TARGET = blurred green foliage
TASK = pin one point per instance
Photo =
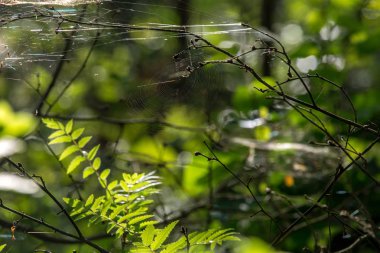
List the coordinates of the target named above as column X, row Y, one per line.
column 127, row 99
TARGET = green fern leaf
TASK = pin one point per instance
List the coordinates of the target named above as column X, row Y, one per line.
column 119, row 232
column 69, row 126
column 93, row 220
column 52, row 124
column 199, row 237
column 113, row 185
column 147, row 223
column 105, row 173
column 97, row 204
column 110, row 227
column 77, row 133
column 88, row 171
column 175, row 246
column 56, row 134
column 82, row 142
column 229, row 238
column 140, row 218
column 93, row 151
column 103, row 177
column 163, row 235
column 217, row 234
column 71, row 202
column 2, row 247
column 75, row 163
column 131, row 215
column 147, row 235
column 105, row 208
column 89, row 200
column 140, row 249
column 96, row 163
column 117, row 211
column 102, row 182
column 77, row 211
column 61, row 139
column 68, row 151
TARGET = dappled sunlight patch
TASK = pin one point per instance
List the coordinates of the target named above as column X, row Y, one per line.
column 15, row 183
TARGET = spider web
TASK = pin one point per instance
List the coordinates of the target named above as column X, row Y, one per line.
column 41, row 35
column 35, row 35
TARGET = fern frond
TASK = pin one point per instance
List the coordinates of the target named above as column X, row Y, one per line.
column 147, row 235
column 162, row 235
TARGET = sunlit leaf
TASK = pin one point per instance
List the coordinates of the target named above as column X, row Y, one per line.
column 117, row 211
column 110, row 227
column 147, row 235
column 163, row 235
column 51, row 123
column 82, row 142
column 175, row 246
column 61, row 139
column 75, row 163
column 89, row 200
column 77, row 133
column 106, row 207
column 97, row 204
column 2, row 247
column 68, row 151
column 56, row 134
column 69, row 126
column 105, row 173
column 147, row 223
column 140, row 218
column 96, row 163
column 88, row 171
column 93, row 151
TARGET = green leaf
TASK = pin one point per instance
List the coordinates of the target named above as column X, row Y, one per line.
column 117, row 211
column 121, row 231
column 103, row 183
column 90, row 200
column 197, row 237
column 130, row 215
column 88, row 171
column 2, row 247
column 71, row 202
column 215, row 236
column 147, row 235
column 147, row 223
column 140, row 218
column 112, row 185
column 105, row 173
column 93, row 151
column 110, row 227
column 69, row 126
column 230, row 238
column 97, row 204
column 141, row 249
column 96, row 163
column 163, row 235
column 68, row 151
column 106, row 207
column 175, row 246
column 75, row 163
column 61, row 139
column 56, row 134
column 51, row 123
column 77, row 133
column 82, row 142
